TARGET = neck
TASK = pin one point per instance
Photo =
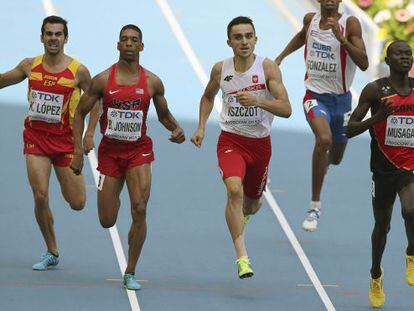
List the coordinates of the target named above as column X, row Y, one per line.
column 53, row 59
column 127, row 65
column 243, row 64
column 329, row 13
column 399, row 79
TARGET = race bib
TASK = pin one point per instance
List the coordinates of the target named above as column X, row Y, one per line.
column 124, row 124
column 400, row 131
column 45, row 106
column 309, row 104
column 236, row 113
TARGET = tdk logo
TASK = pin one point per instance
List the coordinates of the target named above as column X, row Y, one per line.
column 129, row 114
column 228, row 78
column 45, row 97
column 402, row 120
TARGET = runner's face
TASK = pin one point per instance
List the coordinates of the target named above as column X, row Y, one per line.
column 242, row 40
column 130, row 45
column 330, row 4
column 400, row 58
column 53, row 38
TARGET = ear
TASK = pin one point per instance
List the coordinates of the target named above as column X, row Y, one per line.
column 228, row 42
column 142, row 47
column 387, row 61
column 66, row 39
column 41, row 38
column 117, row 45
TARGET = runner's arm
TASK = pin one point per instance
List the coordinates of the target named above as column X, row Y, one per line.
column 164, row 115
column 297, row 41
column 207, row 103
column 354, row 44
column 367, row 100
column 17, row 74
column 87, row 101
column 84, row 78
column 279, row 105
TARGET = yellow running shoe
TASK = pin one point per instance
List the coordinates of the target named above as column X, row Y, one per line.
column 409, row 272
column 244, row 268
column 246, row 219
column 376, row 292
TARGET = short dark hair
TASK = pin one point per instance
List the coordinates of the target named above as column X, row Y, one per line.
column 391, row 45
column 237, row 21
column 53, row 19
column 133, row 27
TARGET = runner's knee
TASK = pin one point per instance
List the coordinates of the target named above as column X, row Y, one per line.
column 138, row 210
column 78, row 204
column 41, row 198
column 323, row 142
column 107, row 221
column 234, row 191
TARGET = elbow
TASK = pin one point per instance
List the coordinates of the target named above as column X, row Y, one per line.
column 364, row 64
column 287, row 112
column 349, row 133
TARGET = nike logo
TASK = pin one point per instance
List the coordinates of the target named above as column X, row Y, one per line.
column 228, row 151
column 113, row 92
column 146, row 154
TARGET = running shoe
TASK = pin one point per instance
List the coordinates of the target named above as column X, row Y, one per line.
column 409, row 272
column 311, row 221
column 244, row 268
column 376, row 292
column 130, row 282
column 47, row 260
column 246, row 219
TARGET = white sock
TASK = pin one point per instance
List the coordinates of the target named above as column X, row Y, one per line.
column 316, row 205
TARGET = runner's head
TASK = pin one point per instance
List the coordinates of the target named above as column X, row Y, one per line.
column 130, row 42
column 399, row 56
column 54, row 34
column 330, row 5
column 241, row 36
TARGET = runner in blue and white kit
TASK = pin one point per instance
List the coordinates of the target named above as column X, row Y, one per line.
column 333, row 49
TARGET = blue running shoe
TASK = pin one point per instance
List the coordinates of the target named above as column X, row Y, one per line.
column 130, row 282
column 47, row 260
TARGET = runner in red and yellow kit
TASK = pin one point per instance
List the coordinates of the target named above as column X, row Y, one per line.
column 391, row 125
column 125, row 152
column 55, row 83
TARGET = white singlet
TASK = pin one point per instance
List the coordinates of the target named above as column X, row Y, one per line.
column 249, row 121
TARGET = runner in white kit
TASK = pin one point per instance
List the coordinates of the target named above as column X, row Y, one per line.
column 333, row 49
column 253, row 92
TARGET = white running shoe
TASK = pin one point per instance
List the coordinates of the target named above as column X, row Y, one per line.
column 311, row 221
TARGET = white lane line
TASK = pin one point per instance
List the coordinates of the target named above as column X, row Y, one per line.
column 297, row 25
column 186, row 46
column 189, row 52
column 93, row 161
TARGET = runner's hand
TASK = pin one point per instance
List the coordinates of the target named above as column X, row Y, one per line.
column 385, row 108
column 246, row 99
column 177, row 136
column 198, row 137
column 77, row 164
column 334, row 25
column 88, row 144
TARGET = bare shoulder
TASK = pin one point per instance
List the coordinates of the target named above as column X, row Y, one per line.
column 308, row 18
column 82, row 70
column 26, row 64
column 216, row 71
column 99, row 81
column 353, row 23
column 271, row 69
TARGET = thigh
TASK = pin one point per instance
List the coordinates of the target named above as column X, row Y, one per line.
column 109, row 189
column 341, row 115
column 406, row 191
column 38, row 172
column 138, row 180
column 231, row 163
column 72, row 186
column 383, row 198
